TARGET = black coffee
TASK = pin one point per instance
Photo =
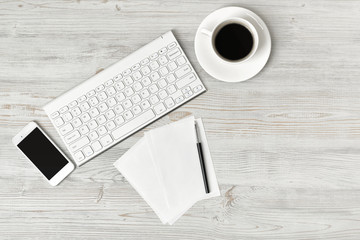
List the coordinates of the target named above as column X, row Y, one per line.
column 234, row 42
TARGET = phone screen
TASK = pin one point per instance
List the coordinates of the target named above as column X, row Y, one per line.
column 37, row 147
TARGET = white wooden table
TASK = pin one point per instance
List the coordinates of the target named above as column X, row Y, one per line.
column 285, row 145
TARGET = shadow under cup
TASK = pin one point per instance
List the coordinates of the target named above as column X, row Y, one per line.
column 233, row 42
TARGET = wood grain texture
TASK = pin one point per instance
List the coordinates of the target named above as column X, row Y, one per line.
column 285, row 144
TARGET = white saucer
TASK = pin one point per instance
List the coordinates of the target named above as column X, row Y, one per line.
column 232, row 72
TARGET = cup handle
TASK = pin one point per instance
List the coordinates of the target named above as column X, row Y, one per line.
column 206, row 32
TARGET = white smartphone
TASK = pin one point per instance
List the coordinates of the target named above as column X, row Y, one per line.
column 43, row 153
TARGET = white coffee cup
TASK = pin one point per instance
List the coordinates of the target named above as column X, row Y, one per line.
column 212, row 33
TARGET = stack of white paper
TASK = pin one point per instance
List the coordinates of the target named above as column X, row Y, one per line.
column 165, row 170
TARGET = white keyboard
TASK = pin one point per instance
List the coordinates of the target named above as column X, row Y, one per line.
column 124, row 98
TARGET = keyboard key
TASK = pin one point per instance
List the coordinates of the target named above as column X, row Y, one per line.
column 79, row 144
column 119, row 86
column 108, row 83
column 179, row 99
column 160, row 108
column 173, row 53
column 136, row 99
column 164, row 71
column 72, row 137
column 162, row 83
column 126, row 72
column 153, row 56
column 76, row 111
column 133, row 124
column 146, row 81
column 145, row 61
column 129, row 91
column 120, row 97
column 154, row 99
column 85, row 117
column 111, row 91
column 93, row 135
column 103, row 107
column 172, row 66
column 185, row 81
column 197, row 88
column 94, row 112
column 169, row 102
column 79, row 156
column 163, row 50
column 93, row 101
column 82, row 98
column 186, row 89
column 183, row 71
column 84, row 129
column 145, row 104
column 92, row 124
column 145, row 70
column 110, row 114
column 145, row 93
column 73, row 104
column 119, row 109
column 188, row 94
column 136, row 110
column 101, row 119
column 135, row 67
column 171, row 45
column 90, row 94
column 163, row 60
column 153, row 88
column 137, row 86
column 106, row 140
column 110, row 125
column 127, row 103
column 59, row 121
column 102, row 96
column 170, row 78
column 100, row 88
column 101, row 130
column 88, row 151
column 67, row 116
column 154, row 76
column 128, row 80
column 163, row 94
column 63, row 109
column 171, row 89
column 128, row 115
column 118, row 77
column 96, row 146
column 154, row 65
column 66, row 129
column 119, row 120
column 84, row 106
column 77, row 122
column 111, row 102
column 181, row 61
column 137, row 75
column 55, row 114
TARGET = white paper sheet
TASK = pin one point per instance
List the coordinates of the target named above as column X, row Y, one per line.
column 174, row 154
column 164, row 169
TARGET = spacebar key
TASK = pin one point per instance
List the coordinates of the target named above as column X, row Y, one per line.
column 133, row 124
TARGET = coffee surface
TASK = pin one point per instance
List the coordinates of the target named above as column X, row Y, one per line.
column 234, row 42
